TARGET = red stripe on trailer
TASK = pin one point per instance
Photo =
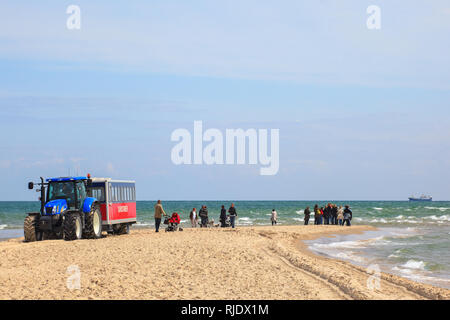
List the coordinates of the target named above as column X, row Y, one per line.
column 119, row 211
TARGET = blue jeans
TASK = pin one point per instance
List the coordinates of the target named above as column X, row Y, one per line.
column 341, row 222
column 334, row 220
column 347, row 221
column 232, row 219
column 157, row 224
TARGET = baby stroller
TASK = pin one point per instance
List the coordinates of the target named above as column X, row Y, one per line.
column 226, row 223
column 173, row 223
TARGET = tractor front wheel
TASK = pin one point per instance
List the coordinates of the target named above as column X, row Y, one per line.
column 30, row 229
column 93, row 226
column 72, row 227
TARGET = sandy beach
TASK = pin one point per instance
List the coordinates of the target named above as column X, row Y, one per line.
column 246, row 263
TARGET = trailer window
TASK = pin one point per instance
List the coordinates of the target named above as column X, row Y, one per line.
column 98, row 193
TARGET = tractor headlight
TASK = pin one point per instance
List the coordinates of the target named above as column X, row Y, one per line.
column 54, row 209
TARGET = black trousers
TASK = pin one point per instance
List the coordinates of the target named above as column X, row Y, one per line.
column 157, row 224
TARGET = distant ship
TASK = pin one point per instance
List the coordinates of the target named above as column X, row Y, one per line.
column 421, row 198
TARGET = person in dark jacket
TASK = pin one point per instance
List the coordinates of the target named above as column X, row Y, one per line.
column 327, row 214
column 223, row 216
column 233, row 214
column 348, row 215
column 334, row 213
column 203, row 214
column 307, row 215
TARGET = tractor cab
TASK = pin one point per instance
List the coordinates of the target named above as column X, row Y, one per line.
column 65, row 193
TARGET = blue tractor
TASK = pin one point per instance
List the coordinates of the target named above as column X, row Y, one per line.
column 67, row 212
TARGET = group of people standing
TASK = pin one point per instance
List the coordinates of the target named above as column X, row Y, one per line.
column 203, row 214
column 330, row 215
column 204, row 218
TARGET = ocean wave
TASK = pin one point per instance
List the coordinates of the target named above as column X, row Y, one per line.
column 414, row 264
column 245, row 220
column 340, row 245
column 349, row 255
column 437, row 208
column 378, row 209
column 439, row 218
column 381, row 220
column 3, row 226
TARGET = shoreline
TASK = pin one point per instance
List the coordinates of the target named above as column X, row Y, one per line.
column 250, row 262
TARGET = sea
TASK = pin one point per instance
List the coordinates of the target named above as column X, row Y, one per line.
column 412, row 238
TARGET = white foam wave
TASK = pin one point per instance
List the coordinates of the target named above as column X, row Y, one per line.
column 3, row 226
column 445, row 217
column 340, row 245
column 378, row 209
column 437, row 208
column 413, row 264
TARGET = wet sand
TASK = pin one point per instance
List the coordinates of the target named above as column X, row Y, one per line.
column 256, row 263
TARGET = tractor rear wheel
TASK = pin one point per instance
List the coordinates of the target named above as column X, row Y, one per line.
column 93, row 226
column 72, row 227
column 30, row 229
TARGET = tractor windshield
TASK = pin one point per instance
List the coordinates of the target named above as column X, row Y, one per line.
column 62, row 190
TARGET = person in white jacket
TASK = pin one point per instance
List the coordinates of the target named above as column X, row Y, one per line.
column 340, row 216
column 274, row 217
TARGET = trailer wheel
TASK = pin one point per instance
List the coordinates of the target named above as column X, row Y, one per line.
column 72, row 227
column 30, row 230
column 123, row 228
column 93, row 226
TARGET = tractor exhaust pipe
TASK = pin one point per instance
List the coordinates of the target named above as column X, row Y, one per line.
column 42, row 196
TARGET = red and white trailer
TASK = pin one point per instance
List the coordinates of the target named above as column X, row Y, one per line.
column 117, row 200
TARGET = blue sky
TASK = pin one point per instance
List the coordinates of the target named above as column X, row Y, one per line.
column 363, row 114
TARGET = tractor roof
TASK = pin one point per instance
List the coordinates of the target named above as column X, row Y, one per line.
column 66, row 179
